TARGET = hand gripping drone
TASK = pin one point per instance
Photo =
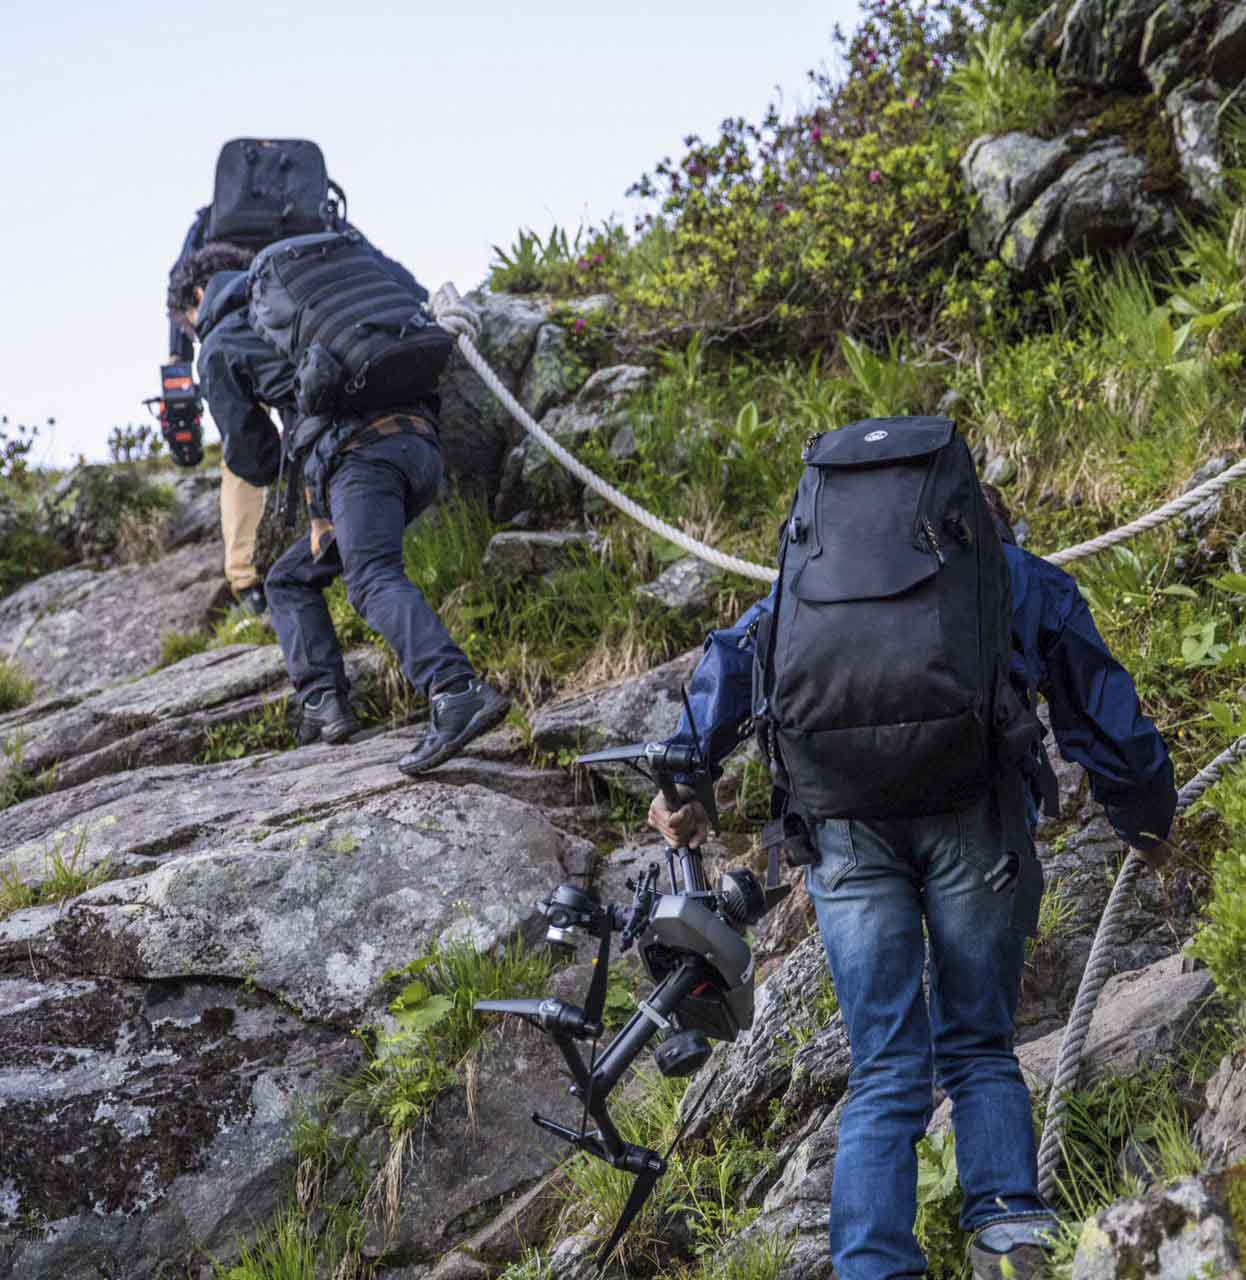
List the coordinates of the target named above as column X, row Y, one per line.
column 692, row 946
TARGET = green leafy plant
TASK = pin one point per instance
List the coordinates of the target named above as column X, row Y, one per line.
column 937, row 1227
column 1221, row 941
column 997, row 89
column 18, row 782
column 241, row 626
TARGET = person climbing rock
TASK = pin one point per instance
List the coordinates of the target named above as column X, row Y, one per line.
column 903, row 607
column 358, row 388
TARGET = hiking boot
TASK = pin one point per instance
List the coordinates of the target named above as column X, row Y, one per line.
column 327, row 716
column 1015, row 1249
column 253, row 600
column 457, row 718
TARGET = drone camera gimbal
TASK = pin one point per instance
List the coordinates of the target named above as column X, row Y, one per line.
column 691, row 942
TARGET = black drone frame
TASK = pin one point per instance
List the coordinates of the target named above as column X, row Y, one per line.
column 689, row 992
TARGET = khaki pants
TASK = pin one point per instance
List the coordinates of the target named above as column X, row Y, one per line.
column 242, row 505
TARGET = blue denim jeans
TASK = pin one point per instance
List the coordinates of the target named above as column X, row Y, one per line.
column 375, row 492
column 873, row 887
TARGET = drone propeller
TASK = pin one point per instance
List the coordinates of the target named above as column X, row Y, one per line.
column 642, row 1188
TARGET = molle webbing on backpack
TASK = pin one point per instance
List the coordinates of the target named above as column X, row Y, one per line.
column 360, row 338
column 885, row 668
column 269, row 189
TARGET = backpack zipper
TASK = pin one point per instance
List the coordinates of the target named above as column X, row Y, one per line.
column 933, row 539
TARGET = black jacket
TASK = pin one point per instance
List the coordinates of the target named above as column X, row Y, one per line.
column 241, row 374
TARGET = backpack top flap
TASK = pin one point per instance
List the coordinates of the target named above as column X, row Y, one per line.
column 267, row 189
column 869, row 509
column 879, row 441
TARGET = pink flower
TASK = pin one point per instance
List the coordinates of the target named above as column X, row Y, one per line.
column 780, row 207
column 816, row 135
column 597, row 259
column 875, row 176
column 582, row 264
column 580, row 324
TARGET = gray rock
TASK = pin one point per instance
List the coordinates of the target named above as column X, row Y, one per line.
column 623, row 446
column 554, row 372
column 531, row 477
column 636, row 709
column 79, row 629
column 482, row 1160
column 1100, row 202
column 1220, row 1135
column 1143, row 1018
column 1171, row 1233
column 476, row 431
column 319, row 911
column 196, row 514
column 1006, row 174
column 527, row 554
column 1193, row 112
column 1101, row 42
column 1042, row 35
column 152, row 1122
column 687, row 586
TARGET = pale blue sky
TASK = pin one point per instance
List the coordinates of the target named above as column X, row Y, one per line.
column 449, row 125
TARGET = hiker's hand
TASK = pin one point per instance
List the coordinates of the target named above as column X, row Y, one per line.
column 687, row 825
column 1153, row 850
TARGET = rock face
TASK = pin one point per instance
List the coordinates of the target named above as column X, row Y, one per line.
column 687, row 586
column 152, row 1121
column 1220, row 1134
column 525, row 554
column 1193, row 1228
column 78, row 629
column 1041, row 203
column 1101, row 41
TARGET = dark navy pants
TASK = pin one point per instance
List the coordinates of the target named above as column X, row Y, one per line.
column 376, row 491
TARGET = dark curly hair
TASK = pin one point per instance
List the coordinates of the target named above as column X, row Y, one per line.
column 195, row 271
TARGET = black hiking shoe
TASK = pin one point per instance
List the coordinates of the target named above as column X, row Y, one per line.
column 327, row 717
column 253, row 600
column 1014, row 1249
column 456, row 719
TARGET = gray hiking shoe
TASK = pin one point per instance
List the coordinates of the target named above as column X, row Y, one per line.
column 1014, row 1249
column 455, row 719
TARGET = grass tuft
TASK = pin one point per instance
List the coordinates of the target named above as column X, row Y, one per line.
column 17, row 689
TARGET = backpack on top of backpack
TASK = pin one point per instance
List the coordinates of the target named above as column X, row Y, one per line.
column 881, row 680
column 269, row 189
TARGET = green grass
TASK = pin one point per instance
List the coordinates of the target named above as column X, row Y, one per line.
column 294, row 1249
column 241, row 626
column 176, row 645
column 19, row 782
column 17, row 689
column 64, row 876
column 268, row 730
column 701, row 1187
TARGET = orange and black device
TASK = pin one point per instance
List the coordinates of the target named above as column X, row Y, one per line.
column 180, row 410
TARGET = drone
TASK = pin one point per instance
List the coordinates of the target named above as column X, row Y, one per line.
column 691, row 942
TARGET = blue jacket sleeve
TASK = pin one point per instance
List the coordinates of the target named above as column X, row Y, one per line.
column 1096, row 716
column 182, row 344
column 721, row 689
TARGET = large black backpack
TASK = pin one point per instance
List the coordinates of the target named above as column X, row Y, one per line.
column 359, row 337
column 269, row 189
column 881, row 687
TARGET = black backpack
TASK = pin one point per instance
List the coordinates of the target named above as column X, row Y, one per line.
column 881, row 681
column 359, row 338
column 271, row 189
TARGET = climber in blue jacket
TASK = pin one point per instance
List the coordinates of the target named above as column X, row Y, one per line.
column 888, row 892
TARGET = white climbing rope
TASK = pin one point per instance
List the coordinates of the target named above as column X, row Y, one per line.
column 1098, row 970
column 1169, row 511
column 457, row 317
column 463, row 321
